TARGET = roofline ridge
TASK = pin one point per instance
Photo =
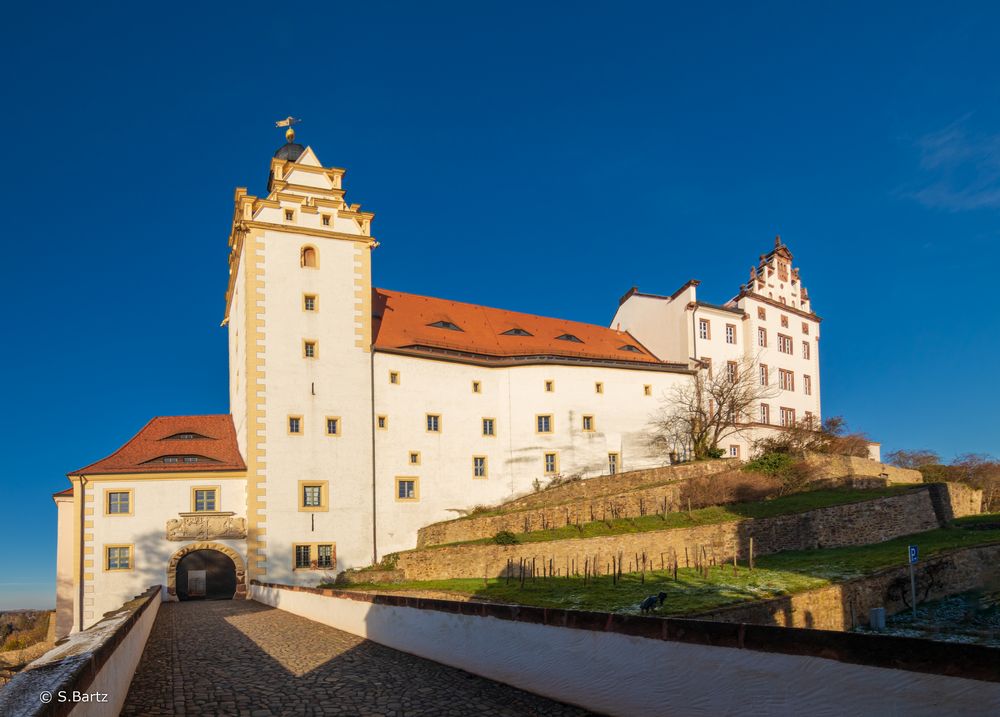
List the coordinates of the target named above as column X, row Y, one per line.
column 81, row 471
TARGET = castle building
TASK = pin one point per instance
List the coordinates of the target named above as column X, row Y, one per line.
column 359, row 414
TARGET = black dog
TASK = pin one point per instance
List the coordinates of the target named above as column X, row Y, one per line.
column 650, row 603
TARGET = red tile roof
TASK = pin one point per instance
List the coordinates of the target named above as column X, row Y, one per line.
column 214, row 438
column 402, row 321
column 68, row 491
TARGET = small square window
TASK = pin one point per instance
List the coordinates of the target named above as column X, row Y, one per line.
column 332, row 426
column 598, row 387
column 118, row 557
column 309, row 302
column 433, row 423
column 120, row 502
column 414, row 458
column 734, row 451
column 479, row 467
column 309, row 349
column 551, row 463
column 312, row 496
column 289, row 215
column 489, row 427
column 543, row 424
column 406, row 489
column 295, row 425
column 588, row 423
column 204, row 500
column 550, row 386
column 477, row 387
column 394, row 377
column 382, row 422
column 647, row 390
column 326, row 220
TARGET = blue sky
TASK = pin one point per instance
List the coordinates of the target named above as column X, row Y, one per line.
column 537, row 157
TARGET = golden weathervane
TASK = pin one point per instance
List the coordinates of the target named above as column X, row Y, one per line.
column 288, row 122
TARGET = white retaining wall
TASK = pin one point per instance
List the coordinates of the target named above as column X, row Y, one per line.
column 621, row 674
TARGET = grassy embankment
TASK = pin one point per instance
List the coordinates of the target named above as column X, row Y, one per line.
column 773, row 575
column 785, row 505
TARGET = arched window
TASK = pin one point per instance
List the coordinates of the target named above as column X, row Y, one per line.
column 308, row 257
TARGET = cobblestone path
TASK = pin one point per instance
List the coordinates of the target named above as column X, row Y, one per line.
column 238, row 657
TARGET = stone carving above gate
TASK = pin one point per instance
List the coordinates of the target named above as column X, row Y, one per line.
column 196, row 526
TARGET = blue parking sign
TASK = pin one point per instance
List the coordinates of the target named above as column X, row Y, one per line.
column 913, row 554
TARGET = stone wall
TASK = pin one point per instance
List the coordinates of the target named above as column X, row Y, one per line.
column 623, row 495
column 828, row 466
column 97, row 661
column 872, row 521
column 847, row 605
column 611, row 484
column 630, row 504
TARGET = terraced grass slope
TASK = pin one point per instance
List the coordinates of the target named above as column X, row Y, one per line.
column 693, row 592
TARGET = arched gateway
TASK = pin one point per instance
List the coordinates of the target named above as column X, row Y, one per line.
column 206, row 570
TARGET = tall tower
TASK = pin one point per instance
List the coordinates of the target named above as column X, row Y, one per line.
column 298, row 309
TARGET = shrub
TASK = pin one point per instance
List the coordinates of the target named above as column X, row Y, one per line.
column 793, row 475
column 772, row 464
column 505, row 537
column 729, row 487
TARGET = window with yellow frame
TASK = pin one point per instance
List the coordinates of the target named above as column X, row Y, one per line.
column 205, row 499
column 119, row 502
column 118, row 557
column 314, row 496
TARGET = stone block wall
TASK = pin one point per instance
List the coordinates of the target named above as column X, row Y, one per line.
column 847, row 605
column 834, row 467
column 861, row 523
column 611, row 484
column 623, row 495
column 631, row 504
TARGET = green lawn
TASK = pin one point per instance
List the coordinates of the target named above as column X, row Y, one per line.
column 796, row 503
column 774, row 575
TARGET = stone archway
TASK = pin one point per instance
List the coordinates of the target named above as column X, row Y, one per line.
column 241, row 570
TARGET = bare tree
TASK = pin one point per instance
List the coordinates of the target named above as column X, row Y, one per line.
column 914, row 458
column 697, row 417
column 808, row 436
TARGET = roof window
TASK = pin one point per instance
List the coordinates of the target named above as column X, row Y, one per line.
column 445, row 325
column 630, row 347
column 569, row 337
column 516, row 332
column 186, row 436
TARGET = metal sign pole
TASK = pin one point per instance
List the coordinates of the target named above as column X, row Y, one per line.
column 912, row 551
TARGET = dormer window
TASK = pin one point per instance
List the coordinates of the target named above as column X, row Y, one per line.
column 630, row 348
column 182, row 459
column 516, row 332
column 187, row 436
column 444, row 325
column 569, row 337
